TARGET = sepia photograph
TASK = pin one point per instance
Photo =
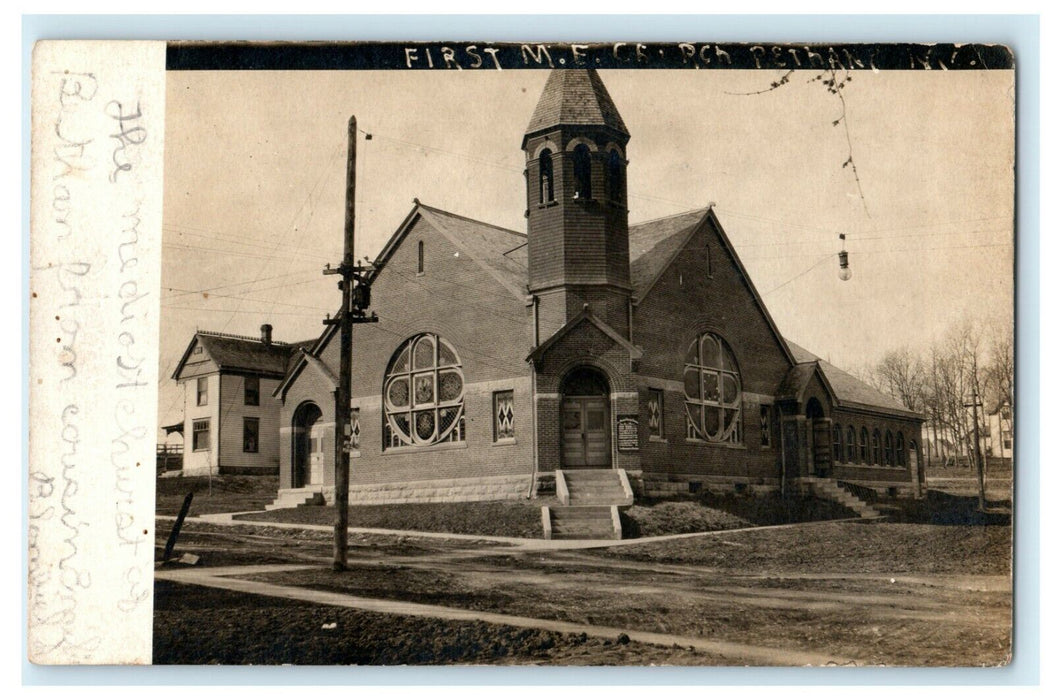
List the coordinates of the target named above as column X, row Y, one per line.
column 586, row 355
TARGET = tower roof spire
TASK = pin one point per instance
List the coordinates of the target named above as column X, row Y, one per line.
column 575, row 97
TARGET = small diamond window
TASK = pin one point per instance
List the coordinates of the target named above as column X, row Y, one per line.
column 504, row 416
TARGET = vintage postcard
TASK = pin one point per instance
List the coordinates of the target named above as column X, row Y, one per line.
column 691, row 354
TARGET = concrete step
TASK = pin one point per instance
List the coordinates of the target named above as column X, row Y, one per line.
column 582, row 522
column 295, row 498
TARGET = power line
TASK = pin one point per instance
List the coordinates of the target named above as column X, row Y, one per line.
column 238, row 284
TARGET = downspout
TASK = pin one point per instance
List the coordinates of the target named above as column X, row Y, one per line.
column 533, row 301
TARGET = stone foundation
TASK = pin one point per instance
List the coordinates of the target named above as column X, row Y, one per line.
column 674, row 486
column 496, row 488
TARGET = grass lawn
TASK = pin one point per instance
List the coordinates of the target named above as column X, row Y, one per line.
column 496, row 518
column 847, row 547
column 704, row 513
column 225, row 494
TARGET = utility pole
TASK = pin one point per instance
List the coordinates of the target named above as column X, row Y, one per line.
column 977, row 451
column 352, row 311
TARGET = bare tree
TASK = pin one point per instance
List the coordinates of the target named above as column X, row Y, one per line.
column 900, row 373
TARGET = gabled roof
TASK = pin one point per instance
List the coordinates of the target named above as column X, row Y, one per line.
column 654, row 244
column 848, row 391
column 575, row 97
column 240, row 353
column 499, row 251
column 583, row 316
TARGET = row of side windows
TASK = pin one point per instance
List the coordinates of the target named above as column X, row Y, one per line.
column 868, row 447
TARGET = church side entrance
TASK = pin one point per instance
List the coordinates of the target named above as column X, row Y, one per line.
column 585, row 413
column 307, row 446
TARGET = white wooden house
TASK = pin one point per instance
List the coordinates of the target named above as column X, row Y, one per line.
column 230, row 416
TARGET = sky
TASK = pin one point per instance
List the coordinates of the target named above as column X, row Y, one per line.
column 255, row 179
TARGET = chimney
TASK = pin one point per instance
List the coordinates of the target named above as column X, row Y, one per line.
column 265, row 333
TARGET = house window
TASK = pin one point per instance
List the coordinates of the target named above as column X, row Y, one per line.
column 865, row 453
column 203, row 391
column 250, row 435
column 252, row 391
column 876, row 447
column 504, row 416
column 1008, row 444
column 889, row 448
column 656, row 425
column 712, row 391
column 850, row 444
column 709, row 264
column 201, row 435
column 420, row 257
column 582, row 162
column 766, row 425
column 836, row 442
column 901, row 457
column 545, row 177
column 424, row 394
column 198, row 350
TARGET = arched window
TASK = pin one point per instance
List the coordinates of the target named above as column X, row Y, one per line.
column 850, row 444
column 712, row 391
column 583, row 171
column 902, row 460
column 424, row 394
column 876, row 447
column 836, row 442
column 889, row 448
column 616, row 177
column 865, row 454
column 545, row 177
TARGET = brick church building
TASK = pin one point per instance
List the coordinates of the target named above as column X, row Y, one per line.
column 504, row 363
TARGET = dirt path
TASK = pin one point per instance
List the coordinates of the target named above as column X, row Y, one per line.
column 748, row 653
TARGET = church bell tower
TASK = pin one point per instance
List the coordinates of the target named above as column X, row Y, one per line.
column 577, row 227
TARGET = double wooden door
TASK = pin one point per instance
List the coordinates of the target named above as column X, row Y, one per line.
column 586, row 432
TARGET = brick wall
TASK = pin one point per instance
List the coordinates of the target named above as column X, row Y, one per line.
column 488, row 326
column 684, row 302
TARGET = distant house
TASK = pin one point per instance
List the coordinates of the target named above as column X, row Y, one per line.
column 230, row 416
column 1000, row 438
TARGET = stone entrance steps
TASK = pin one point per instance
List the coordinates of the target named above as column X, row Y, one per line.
column 828, row 489
column 581, row 523
column 593, row 487
column 590, row 501
column 294, row 498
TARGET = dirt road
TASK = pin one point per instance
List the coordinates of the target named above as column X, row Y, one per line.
column 739, row 614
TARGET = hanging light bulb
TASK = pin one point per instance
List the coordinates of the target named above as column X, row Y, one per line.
column 844, row 273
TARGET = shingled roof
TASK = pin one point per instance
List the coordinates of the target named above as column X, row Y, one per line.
column 652, row 244
column 575, row 97
column 235, row 352
column 500, row 251
column 848, row 390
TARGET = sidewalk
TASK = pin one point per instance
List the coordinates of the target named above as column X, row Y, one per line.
column 520, row 543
